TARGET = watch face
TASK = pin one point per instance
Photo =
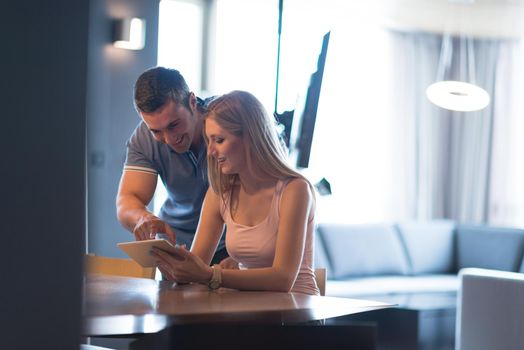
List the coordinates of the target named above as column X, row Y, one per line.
column 214, row 285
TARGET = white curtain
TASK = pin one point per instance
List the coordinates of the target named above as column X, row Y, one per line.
column 419, row 128
column 506, row 194
column 461, row 166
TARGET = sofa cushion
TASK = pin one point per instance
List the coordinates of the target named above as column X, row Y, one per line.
column 373, row 287
column 490, row 247
column 362, row 250
column 429, row 245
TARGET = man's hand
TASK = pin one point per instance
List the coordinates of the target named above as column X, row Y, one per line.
column 149, row 225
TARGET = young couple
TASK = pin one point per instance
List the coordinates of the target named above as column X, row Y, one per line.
column 223, row 165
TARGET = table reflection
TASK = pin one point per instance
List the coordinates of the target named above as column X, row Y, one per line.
column 123, row 305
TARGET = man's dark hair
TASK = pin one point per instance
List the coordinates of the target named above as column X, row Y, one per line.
column 158, row 85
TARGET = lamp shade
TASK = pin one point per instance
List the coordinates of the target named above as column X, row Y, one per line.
column 458, row 96
column 129, row 33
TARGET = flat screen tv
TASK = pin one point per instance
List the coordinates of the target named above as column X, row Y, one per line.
column 305, row 113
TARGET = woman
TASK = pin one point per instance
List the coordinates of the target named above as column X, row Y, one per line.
column 268, row 207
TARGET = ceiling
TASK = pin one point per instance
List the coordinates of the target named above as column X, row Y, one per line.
column 484, row 18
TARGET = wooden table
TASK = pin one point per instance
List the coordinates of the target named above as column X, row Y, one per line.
column 122, row 306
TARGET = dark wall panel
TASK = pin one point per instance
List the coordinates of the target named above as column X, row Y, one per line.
column 42, row 187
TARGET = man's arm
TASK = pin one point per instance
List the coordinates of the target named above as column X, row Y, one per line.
column 210, row 228
column 135, row 191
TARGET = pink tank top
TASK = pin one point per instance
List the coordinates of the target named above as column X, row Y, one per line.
column 254, row 246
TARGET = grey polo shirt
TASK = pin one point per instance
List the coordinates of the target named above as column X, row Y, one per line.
column 184, row 176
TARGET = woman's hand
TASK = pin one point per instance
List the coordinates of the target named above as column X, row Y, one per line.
column 182, row 266
column 229, row 263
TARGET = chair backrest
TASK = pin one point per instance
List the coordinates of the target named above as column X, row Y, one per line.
column 117, row 267
column 320, row 277
column 490, row 310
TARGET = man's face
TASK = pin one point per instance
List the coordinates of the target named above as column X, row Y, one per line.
column 174, row 124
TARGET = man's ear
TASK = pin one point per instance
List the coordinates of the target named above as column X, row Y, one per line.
column 192, row 102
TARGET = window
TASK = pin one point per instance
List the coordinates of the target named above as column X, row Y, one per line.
column 180, row 38
column 245, row 48
column 370, row 98
column 180, row 33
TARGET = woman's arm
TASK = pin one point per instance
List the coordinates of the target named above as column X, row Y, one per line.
column 295, row 210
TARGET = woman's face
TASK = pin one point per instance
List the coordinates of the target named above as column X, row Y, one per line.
column 227, row 148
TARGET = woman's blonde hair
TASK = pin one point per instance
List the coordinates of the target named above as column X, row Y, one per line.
column 243, row 115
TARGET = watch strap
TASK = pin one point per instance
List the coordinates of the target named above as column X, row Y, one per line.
column 216, row 278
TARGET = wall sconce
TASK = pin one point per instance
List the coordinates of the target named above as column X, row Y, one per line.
column 129, row 33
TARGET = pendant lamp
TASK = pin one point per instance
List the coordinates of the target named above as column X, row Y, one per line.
column 464, row 94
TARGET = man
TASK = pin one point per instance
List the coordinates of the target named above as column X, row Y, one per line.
column 168, row 142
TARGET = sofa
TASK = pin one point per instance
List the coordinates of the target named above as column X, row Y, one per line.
column 414, row 265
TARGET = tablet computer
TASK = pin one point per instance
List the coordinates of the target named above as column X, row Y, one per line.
column 139, row 251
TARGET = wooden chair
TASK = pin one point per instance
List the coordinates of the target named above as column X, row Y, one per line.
column 117, row 267
column 320, row 277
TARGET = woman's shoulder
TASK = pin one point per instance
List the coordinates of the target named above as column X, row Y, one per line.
column 297, row 185
column 297, row 193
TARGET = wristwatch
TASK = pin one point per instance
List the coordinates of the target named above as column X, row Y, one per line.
column 216, row 280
